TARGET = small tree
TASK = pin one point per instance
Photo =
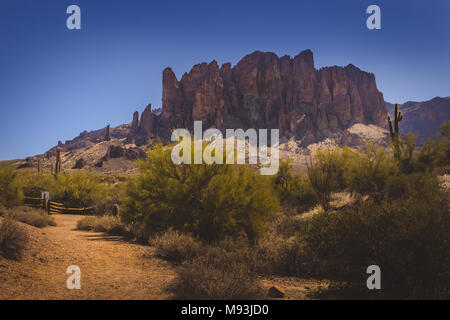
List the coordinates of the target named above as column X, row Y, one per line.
column 107, row 136
column 211, row 201
column 326, row 173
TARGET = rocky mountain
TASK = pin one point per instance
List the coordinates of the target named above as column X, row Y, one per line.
column 423, row 118
column 311, row 107
column 265, row 91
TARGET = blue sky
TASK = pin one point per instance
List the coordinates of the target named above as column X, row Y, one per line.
column 55, row 83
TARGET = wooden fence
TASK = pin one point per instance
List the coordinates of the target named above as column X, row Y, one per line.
column 53, row 207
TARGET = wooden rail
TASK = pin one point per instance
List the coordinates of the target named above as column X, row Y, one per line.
column 53, row 207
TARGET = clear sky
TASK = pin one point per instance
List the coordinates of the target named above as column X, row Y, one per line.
column 55, row 82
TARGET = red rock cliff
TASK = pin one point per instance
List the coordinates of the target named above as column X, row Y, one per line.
column 265, row 91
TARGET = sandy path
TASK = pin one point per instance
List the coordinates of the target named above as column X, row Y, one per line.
column 110, row 267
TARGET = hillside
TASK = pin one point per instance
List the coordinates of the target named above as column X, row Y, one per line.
column 423, row 118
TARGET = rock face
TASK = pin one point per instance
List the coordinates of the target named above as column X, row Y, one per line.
column 114, row 152
column 423, row 118
column 265, row 91
column 80, row 164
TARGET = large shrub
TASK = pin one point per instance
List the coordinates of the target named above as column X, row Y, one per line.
column 367, row 171
column 34, row 183
column 11, row 192
column 407, row 236
column 210, row 201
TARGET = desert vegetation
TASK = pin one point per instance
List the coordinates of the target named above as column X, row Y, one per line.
column 12, row 239
column 32, row 216
column 225, row 226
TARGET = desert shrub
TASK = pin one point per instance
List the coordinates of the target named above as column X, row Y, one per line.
column 107, row 224
column 75, row 190
column 11, row 193
column 283, row 178
column 34, row 183
column 12, row 239
column 367, row 171
column 443, row 148
column 86, row 223
column 434, row 153
column 286, row 225
column 407, row 237
column 176, row 247
column 3, row 210
column 280, row 256
column 416, row 185
column 326, row 172
column 210, row 201
column 217, row 274
column 294, row 190
column 114, row 195
column 32, row 216
column 79, row 189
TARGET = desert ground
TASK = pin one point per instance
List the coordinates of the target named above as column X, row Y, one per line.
column 111, row 268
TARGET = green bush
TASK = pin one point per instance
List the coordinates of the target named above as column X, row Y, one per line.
column 12, row 239
column 434, row 153
column 407, row 237
column 34, row 183
column 416, row 185
column 294, row 190
column 176, row 247
column 209, row 201
column 11, row 193
column 218, row 274
column 326, row 173
column 32, row 216
column 75, row 190
column 79, row 189
column 367, row 171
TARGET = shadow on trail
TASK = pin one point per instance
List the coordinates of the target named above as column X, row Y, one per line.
column 104, row 237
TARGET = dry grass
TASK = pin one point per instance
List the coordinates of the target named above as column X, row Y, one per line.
column 12, row 239
column 32, row 216
column 218, row 274
column 176, row 247
column 108, row 224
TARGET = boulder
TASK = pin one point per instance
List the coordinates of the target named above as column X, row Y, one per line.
column 276, row 292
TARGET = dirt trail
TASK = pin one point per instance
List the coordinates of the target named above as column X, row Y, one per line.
column 110, row 267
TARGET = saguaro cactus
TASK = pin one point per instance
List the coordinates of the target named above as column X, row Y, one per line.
column 58, row 161
column 394, row 131
column 39, row 166
column 115, row 210
column 107, row 137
